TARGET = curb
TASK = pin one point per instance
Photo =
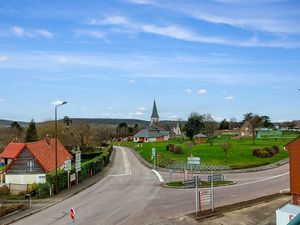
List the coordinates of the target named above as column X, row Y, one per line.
column 109, row 165
column 231, row 171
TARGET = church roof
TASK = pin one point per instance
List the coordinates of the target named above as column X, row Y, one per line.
column 154, row 111
column 147, row 133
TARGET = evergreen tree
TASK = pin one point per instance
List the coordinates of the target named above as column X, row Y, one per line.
column 31, row 132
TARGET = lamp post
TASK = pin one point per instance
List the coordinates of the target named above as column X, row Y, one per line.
column 56, row 190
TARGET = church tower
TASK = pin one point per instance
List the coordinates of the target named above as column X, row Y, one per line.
column 154, row 116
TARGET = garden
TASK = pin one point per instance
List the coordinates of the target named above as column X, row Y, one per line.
column 242, row 153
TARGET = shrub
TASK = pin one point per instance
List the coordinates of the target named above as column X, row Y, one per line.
column 170, row 147
column 271, row 151
column 4, row 191
column 41, row 190
column 178, row 150
column 276, row 147
column 261, row 153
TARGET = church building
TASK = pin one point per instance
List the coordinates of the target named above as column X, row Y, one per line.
column 153, row 133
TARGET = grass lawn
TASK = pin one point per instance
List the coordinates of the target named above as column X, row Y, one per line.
column 204, row 184
column 239, row 155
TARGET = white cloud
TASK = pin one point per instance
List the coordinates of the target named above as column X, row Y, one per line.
column 30, row 33
column 182, row 33
column 109, row 108
column 188, row 91
column 142, row 108
column 140, row 2
column 131, row 81
column 229, row 98
column 139, row 113
column 91, row 33
column 202, row 92
column 106, row 114
column 3, row 58
column 18, row 31
column 44, row 33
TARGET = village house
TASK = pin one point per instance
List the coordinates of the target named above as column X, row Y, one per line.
column 33, row 160
column 155, row 132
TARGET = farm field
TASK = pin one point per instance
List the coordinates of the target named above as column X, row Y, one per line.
column 239, row 155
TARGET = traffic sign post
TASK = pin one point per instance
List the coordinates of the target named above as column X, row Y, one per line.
column 77, row 163
column 154, row 156
column 72, row 215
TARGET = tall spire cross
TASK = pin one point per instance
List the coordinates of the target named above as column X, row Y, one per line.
column 154, row 116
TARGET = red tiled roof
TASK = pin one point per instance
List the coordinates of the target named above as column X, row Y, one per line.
column 44, row 153
column 12, row 150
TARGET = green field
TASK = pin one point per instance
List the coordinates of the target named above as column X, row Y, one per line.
column 239, row 155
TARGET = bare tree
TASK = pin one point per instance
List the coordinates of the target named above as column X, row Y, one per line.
column 226, row 146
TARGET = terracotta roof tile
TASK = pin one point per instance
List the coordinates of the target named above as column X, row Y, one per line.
column 12, row 150
column 45, row 153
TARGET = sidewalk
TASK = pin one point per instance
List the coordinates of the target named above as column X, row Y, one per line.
column 40, row 204
column 258, row 214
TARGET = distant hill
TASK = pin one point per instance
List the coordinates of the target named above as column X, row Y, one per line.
column 97, row 121
column 6, row 123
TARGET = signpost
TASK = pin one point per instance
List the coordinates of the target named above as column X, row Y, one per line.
column 72, row 215
column 68, row 167
column 154, row 156
column 77, row 163
column 193, row 160
column 196, row 188
column 170, row 173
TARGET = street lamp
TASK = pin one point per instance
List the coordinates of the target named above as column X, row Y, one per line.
column 56, row 190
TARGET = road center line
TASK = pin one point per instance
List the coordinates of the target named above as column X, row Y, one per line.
column 126, row 163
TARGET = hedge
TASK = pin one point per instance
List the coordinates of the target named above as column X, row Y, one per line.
column 88, row 168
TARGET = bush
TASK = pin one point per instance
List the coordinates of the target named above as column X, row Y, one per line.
column 178, row 150
column 276, row 147
column 261, row 153
column 40, row 190
column 170, row 147
column 4, row 191
column 265, row 152
column 271, row 151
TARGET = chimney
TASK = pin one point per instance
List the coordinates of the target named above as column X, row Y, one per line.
column 47, row 139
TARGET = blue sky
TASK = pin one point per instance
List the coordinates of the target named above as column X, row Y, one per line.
column 112, row 58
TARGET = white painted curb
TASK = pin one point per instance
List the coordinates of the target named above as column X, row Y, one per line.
column 160, row 178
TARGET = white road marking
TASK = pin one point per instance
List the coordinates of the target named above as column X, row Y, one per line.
column 257, row 181
column 126, row 163
column 127, row 171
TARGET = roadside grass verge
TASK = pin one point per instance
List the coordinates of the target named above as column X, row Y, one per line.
column 239, row 155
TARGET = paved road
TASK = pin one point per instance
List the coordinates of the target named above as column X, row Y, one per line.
column 131, row 194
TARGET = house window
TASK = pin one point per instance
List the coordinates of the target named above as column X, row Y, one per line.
column 30, row 165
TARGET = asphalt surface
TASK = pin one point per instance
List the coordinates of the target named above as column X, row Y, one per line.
column 131, row 194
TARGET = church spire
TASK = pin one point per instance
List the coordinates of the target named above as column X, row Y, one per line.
column 154, row 116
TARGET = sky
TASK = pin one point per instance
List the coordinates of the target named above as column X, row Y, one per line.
column 111, row 59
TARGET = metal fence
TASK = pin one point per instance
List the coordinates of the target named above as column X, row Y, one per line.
column 177, row 165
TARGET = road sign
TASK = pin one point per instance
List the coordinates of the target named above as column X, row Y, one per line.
column 153, row 152
column 67, row 165
column 194, row 160
column 78, row 161
column 72, row 213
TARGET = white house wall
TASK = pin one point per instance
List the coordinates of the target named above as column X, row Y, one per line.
column 25, row 178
